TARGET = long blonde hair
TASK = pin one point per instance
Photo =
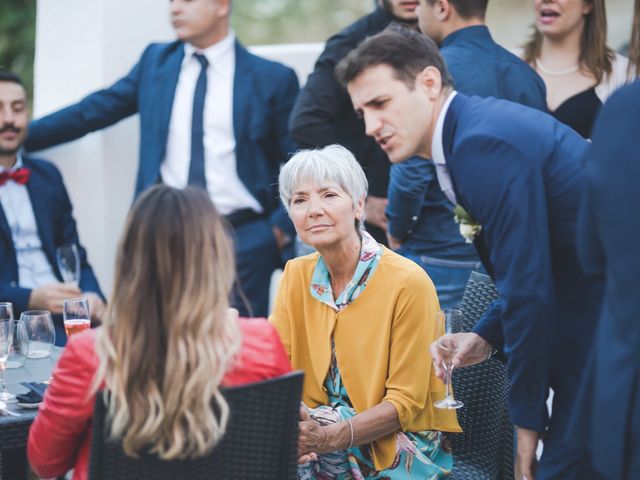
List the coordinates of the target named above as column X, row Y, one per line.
column 595, row 56
column 167, row 337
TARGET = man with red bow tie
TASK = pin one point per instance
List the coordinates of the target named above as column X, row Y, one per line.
column 35, row 219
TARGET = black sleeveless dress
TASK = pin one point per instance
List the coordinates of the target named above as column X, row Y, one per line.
column 579, row 111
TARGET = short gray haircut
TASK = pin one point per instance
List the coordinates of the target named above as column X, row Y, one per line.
column 332, row 164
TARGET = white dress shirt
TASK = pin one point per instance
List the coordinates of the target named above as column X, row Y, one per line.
column 223, row 183
column 34, row 270
column 437, row 153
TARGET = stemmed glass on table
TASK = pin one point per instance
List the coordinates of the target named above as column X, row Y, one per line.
column 76, row 315
column 40, row 331
column 451, row 322
column 6, row 338
column 69, row 262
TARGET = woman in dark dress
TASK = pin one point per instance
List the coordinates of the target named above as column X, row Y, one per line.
column 568, row 50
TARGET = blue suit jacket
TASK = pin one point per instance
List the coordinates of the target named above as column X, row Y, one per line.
column 56, row 226
column 418, row 211
column 518, row 172
column 608, row 247
column 263, row 95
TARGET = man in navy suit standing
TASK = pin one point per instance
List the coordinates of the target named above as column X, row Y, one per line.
column 212, row 115
column 517, row 173
column 420, row 217
column 35, row 219
column 607, row 417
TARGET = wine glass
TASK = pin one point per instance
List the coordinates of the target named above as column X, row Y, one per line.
column 76, row 315
column 40, row 331
column 451, row 322
column 69, row 262
column 20, row 345
column 6, row 337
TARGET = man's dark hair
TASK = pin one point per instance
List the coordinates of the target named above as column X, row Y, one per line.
column 468, row 9
column 8, row 76
column 407, row 52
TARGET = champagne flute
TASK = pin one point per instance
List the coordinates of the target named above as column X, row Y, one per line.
column 6, row 338
column 451, row 322
column 69, row 262
column 76, row 315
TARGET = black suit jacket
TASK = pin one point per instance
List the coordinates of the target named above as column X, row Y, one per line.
column 323, row 113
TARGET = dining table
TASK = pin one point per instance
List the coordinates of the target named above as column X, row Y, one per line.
column 14, row 430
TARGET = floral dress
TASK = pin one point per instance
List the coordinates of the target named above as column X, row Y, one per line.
column 420, row 455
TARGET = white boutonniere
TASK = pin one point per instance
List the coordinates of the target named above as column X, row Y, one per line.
column 469, row 228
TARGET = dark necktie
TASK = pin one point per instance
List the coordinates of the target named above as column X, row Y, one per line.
column 20, row 175
column 196, row 167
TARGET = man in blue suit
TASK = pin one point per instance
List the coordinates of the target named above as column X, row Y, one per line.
column 517, row 173
column 35, row 219
column 211, row 115
column 607, row 414
column 420, row 217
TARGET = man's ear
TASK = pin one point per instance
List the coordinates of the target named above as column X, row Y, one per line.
column 430, row 80
column 224, row 7
column 443, row 11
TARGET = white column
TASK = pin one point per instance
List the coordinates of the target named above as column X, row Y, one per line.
column 85, row 45
column 82, row 46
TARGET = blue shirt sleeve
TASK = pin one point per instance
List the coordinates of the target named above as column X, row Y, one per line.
column 408, row 184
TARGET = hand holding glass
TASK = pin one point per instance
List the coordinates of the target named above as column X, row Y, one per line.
column 451, row 321
column 6, row 337
column 76, row 315
column 69, row 262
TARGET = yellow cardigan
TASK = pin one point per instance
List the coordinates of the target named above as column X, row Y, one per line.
column 381, row 339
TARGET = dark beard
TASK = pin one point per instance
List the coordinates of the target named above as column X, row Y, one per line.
column 386, row 4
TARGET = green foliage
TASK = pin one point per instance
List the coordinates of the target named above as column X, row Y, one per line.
column 294, row 21
column 255, row 21
column 17, row 38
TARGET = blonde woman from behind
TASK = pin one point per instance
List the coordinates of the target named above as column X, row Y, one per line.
column 169, row 342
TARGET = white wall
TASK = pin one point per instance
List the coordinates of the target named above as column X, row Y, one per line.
column 84, row 45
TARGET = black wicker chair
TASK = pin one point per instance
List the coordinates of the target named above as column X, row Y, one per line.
column 485, row 450
column 260, row 442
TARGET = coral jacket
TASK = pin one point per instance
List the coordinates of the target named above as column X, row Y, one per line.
column 60, row 437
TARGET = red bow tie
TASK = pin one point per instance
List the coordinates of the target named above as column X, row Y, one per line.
column 20, row 175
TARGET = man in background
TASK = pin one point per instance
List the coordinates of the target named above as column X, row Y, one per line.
column 323, row 114
column 213, row 116
column 35, row 218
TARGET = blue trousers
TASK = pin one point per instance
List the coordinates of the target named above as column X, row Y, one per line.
column 257, row 256
column 561, row 460
column 450, row 277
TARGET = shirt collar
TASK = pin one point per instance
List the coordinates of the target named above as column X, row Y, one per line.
column 215, row 52
column 18, row 164
column 437, row 149
column 467, row 33
column 320, row 288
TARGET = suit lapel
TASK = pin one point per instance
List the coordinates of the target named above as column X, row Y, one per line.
column 38, row 189
column 5, row 230
column 168, row 74
column 242, row 95
column 448, row 132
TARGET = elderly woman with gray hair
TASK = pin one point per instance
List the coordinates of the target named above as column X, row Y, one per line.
column 358, row 319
